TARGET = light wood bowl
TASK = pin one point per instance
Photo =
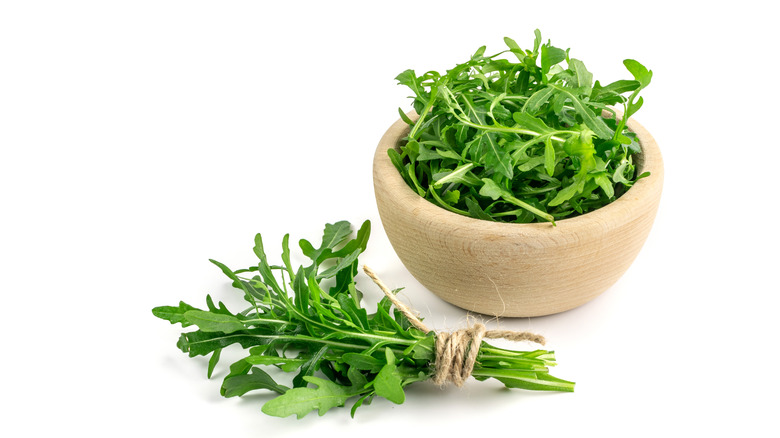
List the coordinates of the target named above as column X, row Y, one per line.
column 515, row 270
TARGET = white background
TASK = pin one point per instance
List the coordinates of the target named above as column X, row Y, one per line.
column 138, row 139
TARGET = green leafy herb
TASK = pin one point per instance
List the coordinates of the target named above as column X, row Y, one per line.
column 309, row 323
column 525, row 141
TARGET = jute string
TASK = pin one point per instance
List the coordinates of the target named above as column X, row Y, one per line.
column 456, row 352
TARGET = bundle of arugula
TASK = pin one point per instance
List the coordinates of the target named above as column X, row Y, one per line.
column 353, row 353
column 520, row 141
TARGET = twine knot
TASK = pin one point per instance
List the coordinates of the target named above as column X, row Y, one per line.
column 456, row 352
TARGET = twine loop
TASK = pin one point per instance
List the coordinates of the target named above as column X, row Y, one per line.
column 456, row 352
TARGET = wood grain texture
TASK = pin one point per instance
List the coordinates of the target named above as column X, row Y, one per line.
column 516, row 270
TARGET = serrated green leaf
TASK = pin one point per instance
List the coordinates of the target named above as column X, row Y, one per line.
column 639, row 71
column 580, row 145
column 515, row 48
column 343, row 263
column 550, row 57
column 452, row 197
column 365, row 399
column 592, row 121
column 530, row 164
column 476, row 211
column 200, row 343
column 583, row 79
column 567, row 192
column 354, row 315
column 527, row 121
column 287, row 364
column 426, row 154
column 214, row 322
column 549, row 157
column 606, row 185
column 633, row 107
column 495, row 156
column 409, row 78
column 387, row 383
column 263, row 267
column 404, row 117
column 444, row 153
column 359, row 242
column 363, row 362
column 535, row 381
column 239, row 385
column 356, row 378
column 175, row 315
column 333, row 236
column 238, row 368
column 491, row 190
column 286, row 254
column 611, row 94
column 619, row 175
column 249, row 292
column 539, row 98
column 213, row 362
column 310, row 366
column 301, row 289
column 397, row 161
column 301, row 401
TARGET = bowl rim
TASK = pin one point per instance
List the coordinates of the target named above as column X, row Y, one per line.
column 623, row 209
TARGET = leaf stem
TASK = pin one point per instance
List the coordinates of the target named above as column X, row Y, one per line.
column 501, row 128
column 544, row 215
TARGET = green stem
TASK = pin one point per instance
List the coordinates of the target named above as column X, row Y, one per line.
column 263, row 320
column 428, row 105
column 512, row 200
column 532, row 381
column 501, row 128
column 444, row 204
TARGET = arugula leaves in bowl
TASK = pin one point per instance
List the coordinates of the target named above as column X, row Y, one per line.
column 520, row 141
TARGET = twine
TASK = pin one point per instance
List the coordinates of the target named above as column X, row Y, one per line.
column 456, row 352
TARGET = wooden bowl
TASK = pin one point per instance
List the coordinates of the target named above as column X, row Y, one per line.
column 514, row 270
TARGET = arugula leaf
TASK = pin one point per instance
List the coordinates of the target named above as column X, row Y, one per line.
column 300, row 401
column 213, row 361
column 363, row 362
column 286, row 364
column 388, row 382
column 495, row 156
column 491, row 190
column 237, row 386
column 536, row 100
column 549, row 156
column 516, row 50
column 174, row 314
column 214, row 322
column 333, row 235
column 583, row 79
column 568, row 192
column 639, row 71
column 550, row 57
column 311, row 365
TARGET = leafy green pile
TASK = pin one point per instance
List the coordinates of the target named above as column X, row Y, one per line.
column 309, row 321
column 520, row 141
